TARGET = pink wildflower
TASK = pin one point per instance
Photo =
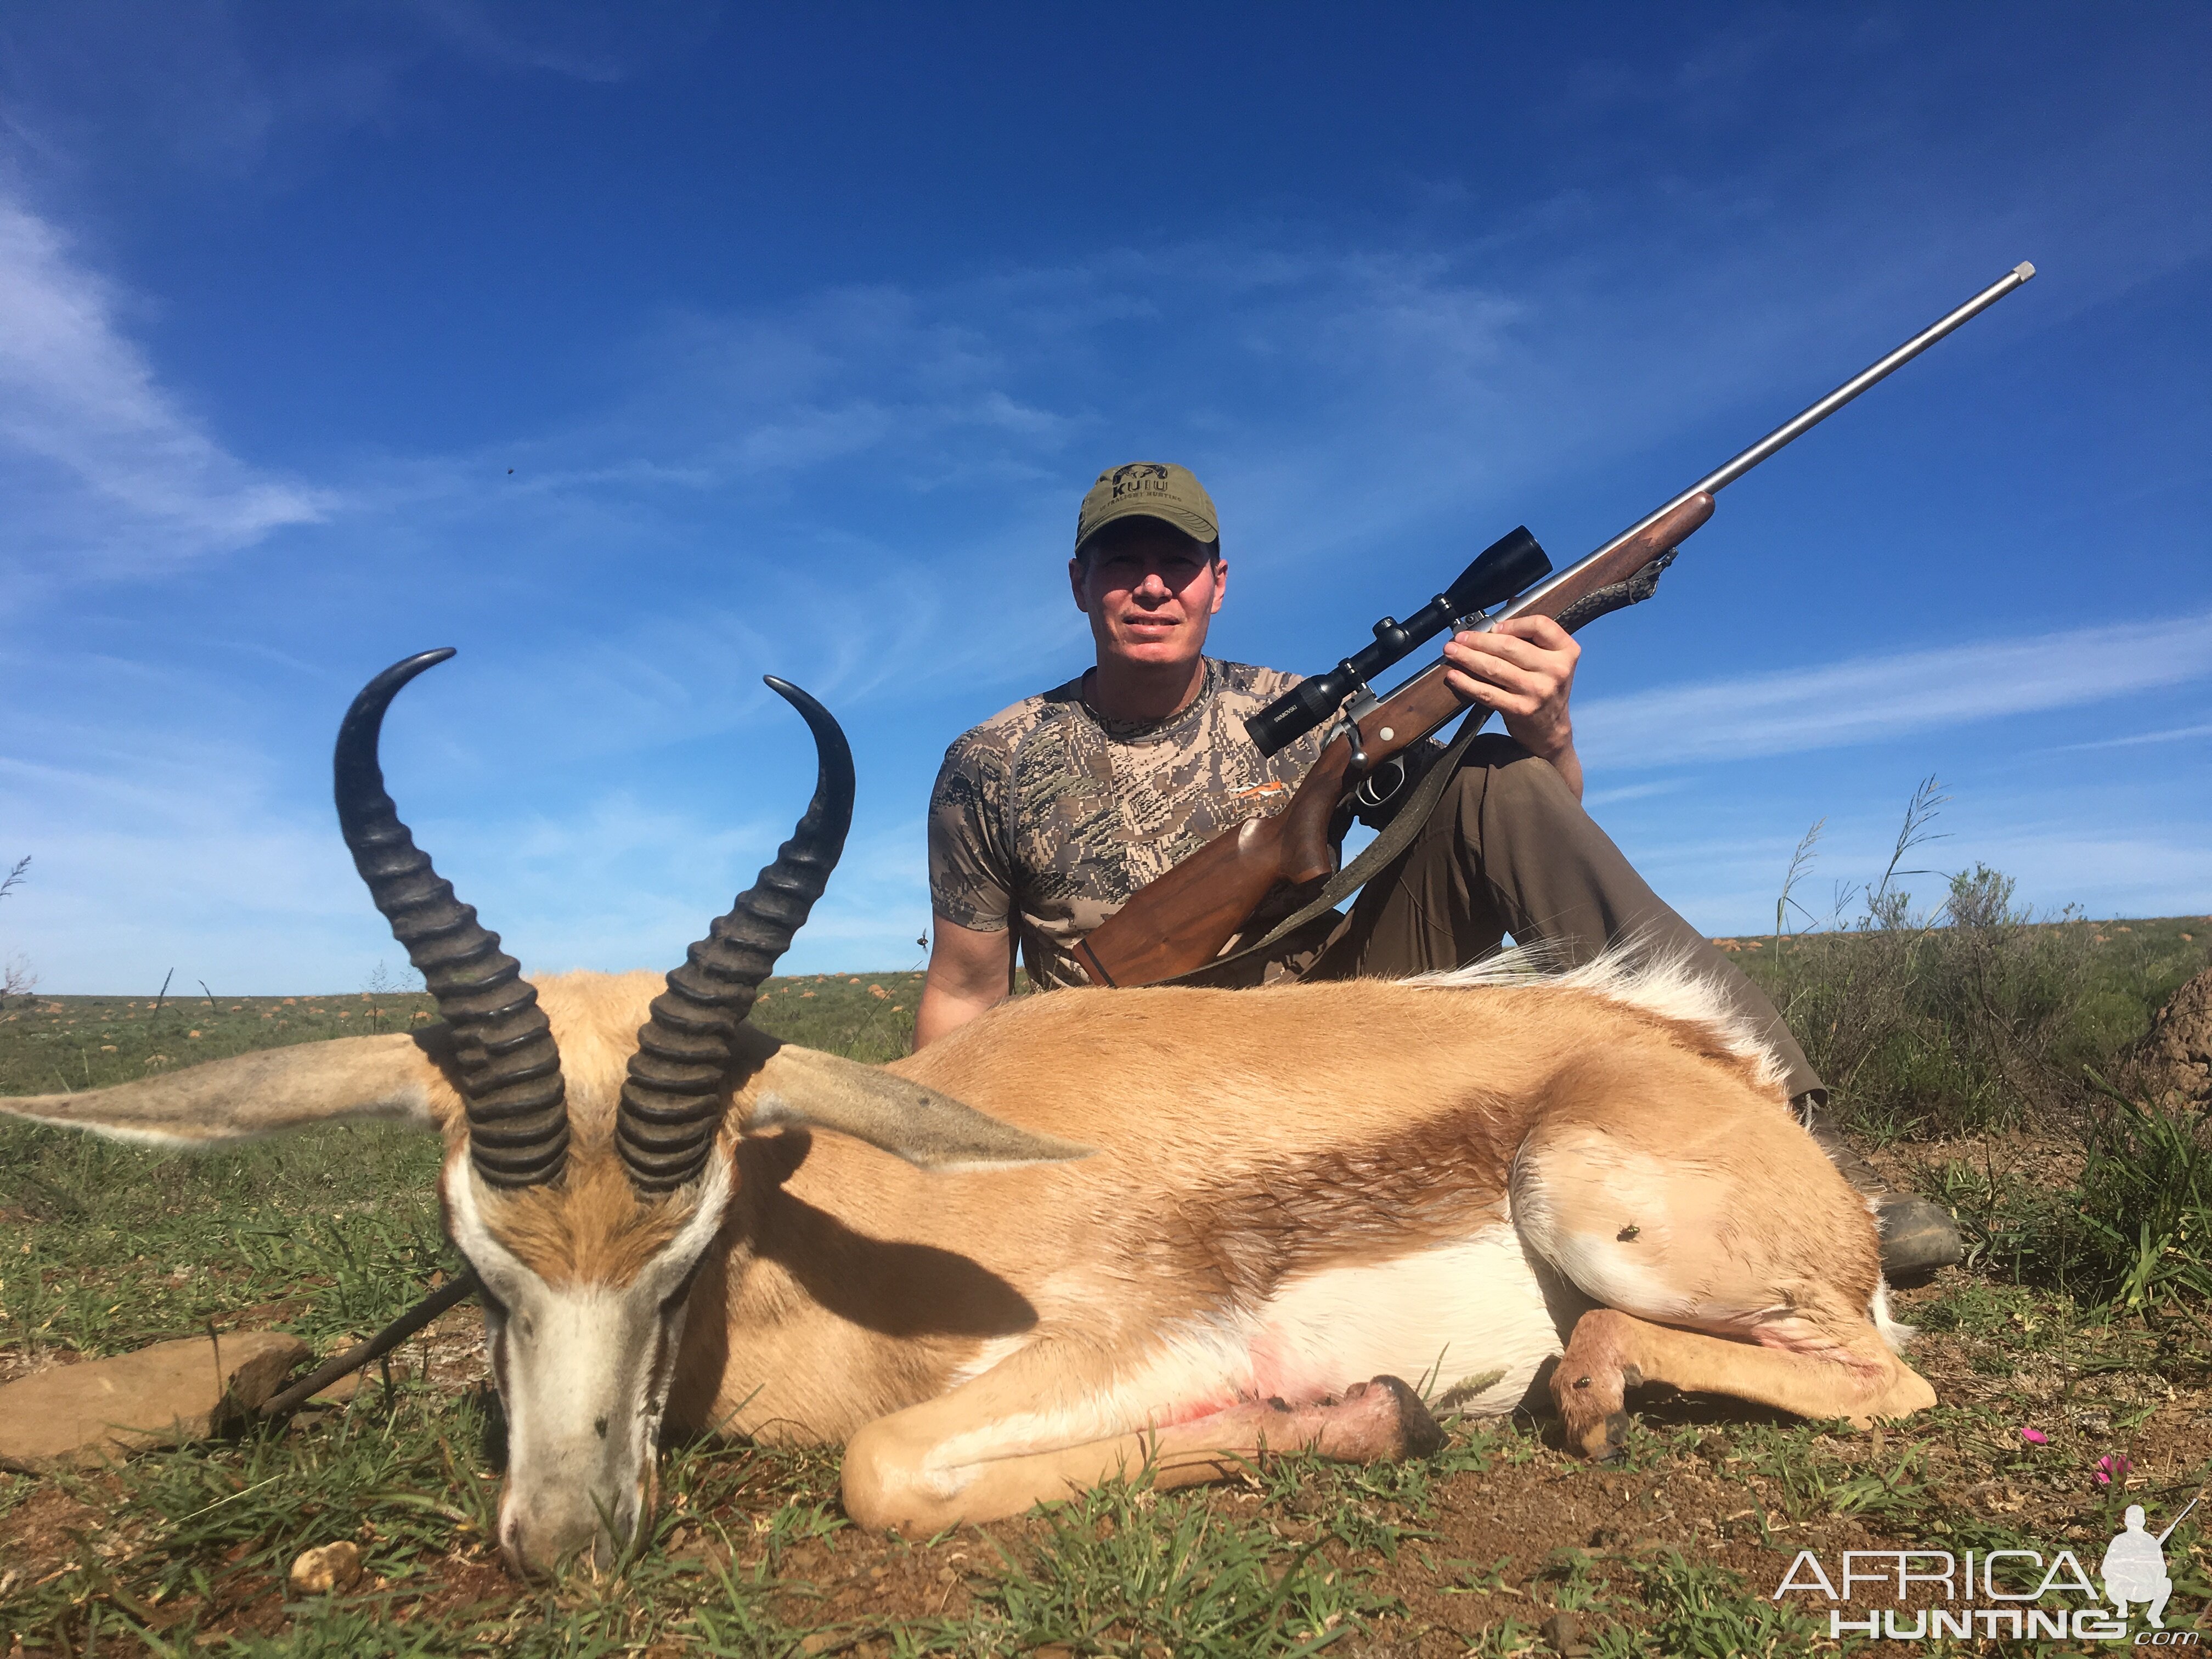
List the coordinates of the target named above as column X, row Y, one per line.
column 2111, row 1469
column 2035, row 1437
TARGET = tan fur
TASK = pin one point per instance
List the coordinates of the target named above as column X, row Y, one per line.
column 593, row 1228
column 1244, row 1140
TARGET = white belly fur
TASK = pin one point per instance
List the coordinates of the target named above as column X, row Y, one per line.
column 1453, row 1314
column 1471, row 1312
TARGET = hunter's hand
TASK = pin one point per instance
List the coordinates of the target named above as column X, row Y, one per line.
column 1525, row 669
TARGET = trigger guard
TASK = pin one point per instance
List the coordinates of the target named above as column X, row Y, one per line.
column 1369, row 795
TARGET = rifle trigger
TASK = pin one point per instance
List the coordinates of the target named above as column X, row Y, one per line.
column 1348, row 729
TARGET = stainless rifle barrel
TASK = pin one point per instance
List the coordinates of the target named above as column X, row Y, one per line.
column 1728, row 473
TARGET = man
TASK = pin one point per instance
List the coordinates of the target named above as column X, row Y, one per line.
column 1050, row 814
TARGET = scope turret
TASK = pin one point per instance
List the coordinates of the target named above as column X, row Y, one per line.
column 1508, row 565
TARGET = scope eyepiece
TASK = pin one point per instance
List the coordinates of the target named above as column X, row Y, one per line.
column 1509, row 565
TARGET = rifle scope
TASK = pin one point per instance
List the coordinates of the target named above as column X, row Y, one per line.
column 1504, row 568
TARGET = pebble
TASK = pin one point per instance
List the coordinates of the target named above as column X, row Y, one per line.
column 1565, row 1633
column 333, row 1567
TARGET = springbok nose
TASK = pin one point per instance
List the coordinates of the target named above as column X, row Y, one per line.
column 543, row 1544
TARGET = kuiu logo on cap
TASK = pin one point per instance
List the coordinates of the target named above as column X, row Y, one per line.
column 1140, row 477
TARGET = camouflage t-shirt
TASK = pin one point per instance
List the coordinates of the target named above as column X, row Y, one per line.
column 1048, row 815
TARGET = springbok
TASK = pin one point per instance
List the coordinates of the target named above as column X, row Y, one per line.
column 1114, row 1229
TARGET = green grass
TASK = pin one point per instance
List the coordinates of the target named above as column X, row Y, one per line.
column 57, row 1044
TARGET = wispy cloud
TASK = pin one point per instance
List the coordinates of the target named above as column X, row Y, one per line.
column 1597, row 798
column 198, row 861
column 1870, row 698
column 2175, row 734
column 578, row 42
column 101, row 464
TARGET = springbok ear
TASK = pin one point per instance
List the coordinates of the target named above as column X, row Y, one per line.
column 929, row 1130
column 262, row 1093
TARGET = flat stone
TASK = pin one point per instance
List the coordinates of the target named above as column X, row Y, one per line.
column 165, row 1395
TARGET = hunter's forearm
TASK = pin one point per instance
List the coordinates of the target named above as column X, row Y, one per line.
column 943, row 1010
column 1569, row 766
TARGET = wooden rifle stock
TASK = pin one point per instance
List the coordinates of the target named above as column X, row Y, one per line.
column 1181, row 921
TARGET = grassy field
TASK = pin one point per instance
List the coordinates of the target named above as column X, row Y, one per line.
column 2105, row 1362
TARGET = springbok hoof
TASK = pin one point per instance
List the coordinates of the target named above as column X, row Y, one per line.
column 1418, row 1432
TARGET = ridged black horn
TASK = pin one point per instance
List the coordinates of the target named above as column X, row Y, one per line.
column 670, row 1102
column 510, row 1068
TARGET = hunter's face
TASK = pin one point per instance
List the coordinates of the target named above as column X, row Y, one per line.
column 1149, row 591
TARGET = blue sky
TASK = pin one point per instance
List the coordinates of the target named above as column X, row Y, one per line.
column 638, row 351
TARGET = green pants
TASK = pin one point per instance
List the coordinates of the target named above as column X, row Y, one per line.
column 1509, row 849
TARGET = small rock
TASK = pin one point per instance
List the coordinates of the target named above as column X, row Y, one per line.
column 1564, row 1632
column 165, row 1395
column 333, row 1567
column 820, row 1641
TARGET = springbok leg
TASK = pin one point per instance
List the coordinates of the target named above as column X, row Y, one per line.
column 996, row 1445
column 1612, row 1351
column 1727, row 1254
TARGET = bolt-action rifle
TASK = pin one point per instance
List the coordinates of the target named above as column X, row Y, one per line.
column 1182, row 921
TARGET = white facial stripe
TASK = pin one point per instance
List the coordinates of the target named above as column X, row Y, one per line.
column 584, row 1375
column 495, row 1263
column 666, row 1270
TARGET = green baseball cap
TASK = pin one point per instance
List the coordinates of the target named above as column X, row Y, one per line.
column 1148, row 489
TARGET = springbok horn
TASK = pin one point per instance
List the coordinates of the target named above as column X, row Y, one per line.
column 670, row 1105
column 510, row 1069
